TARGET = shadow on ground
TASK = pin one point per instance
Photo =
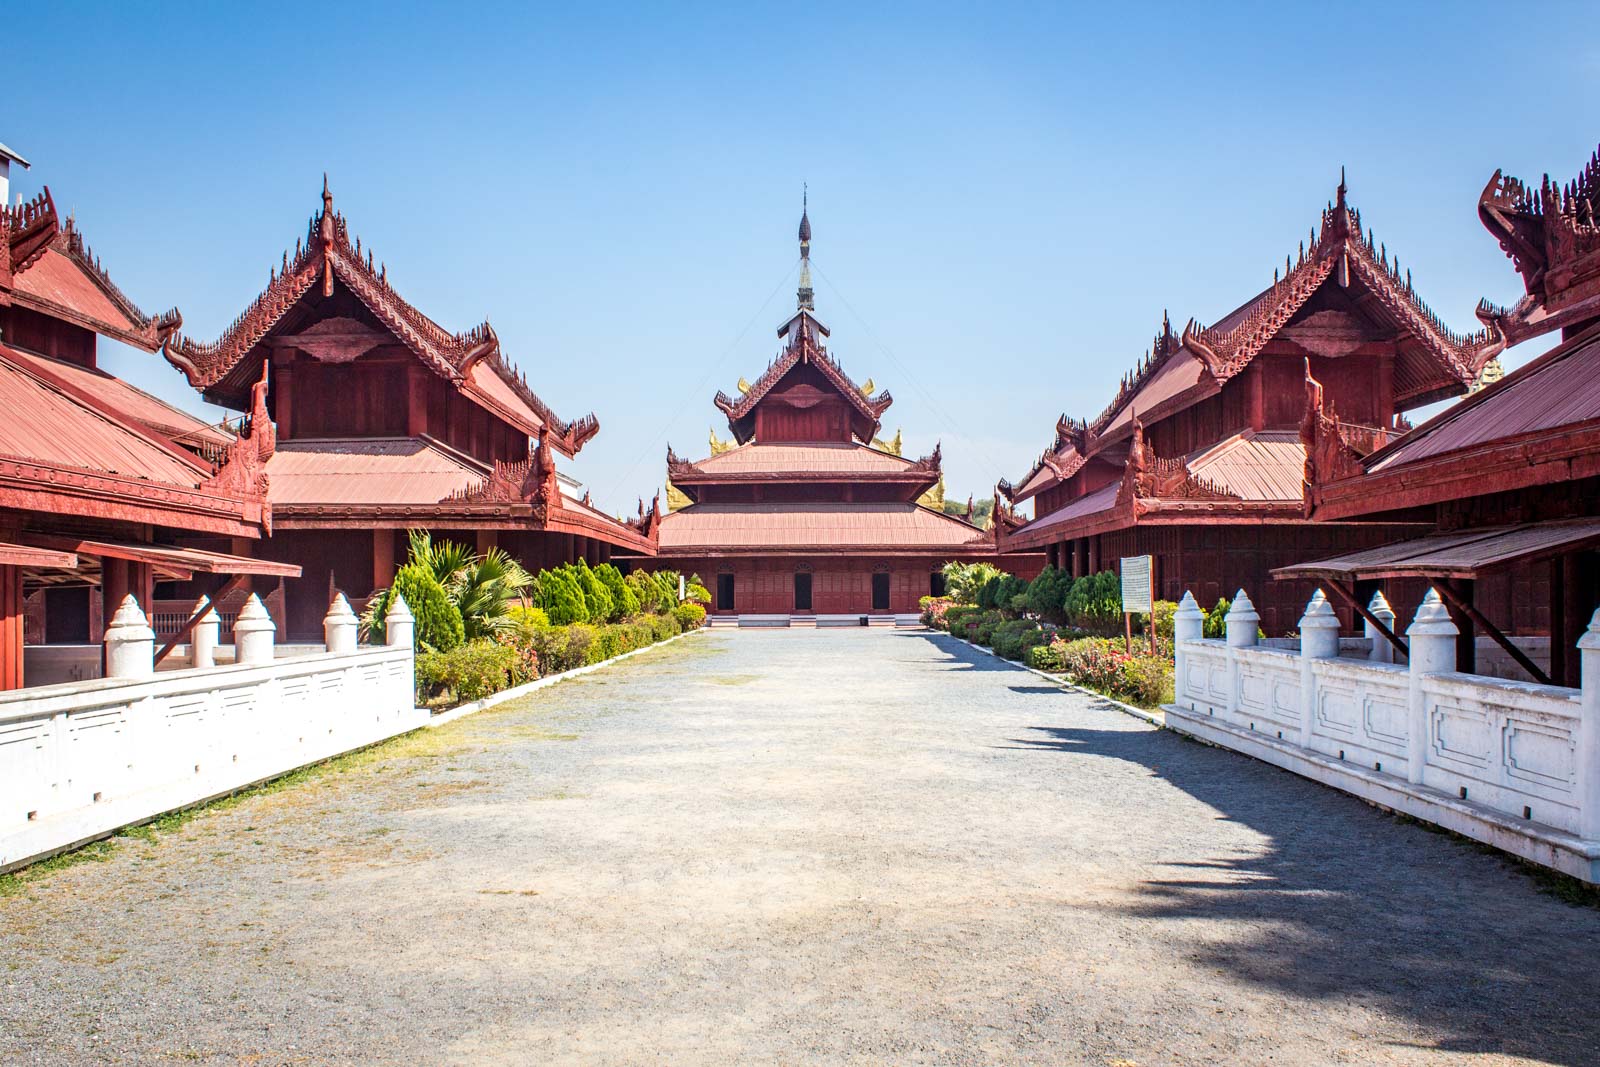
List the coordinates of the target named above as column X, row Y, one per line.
column 1348, row 902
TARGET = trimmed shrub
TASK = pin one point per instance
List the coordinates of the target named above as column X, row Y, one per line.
column 470, row 671
column 563, row 598
column 1094, row 603
column 624, row 604
column 1048, row 593
column 596, row 598
column 1008, row 637
column 439, row 624
column 689, row 615
column 1046, row 657
column 1216, row 624
column 528, row 615
column 666, row 626
column 1162, row 620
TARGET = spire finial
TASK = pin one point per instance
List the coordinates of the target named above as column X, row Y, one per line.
column 1340, row 192
column 805, row 298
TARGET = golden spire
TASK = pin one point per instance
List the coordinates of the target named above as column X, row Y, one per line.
column 805, row 297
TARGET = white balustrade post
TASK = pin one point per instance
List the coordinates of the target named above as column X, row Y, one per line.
column 1188, row 624
column 253, row 632
column 1243, row 624
column 398, row 623
column 130, row 643
column 1382, row 651
column 340, row 625
column 1432, row 650
column 1589, row 733
column 1319, row 639
column 203, row 638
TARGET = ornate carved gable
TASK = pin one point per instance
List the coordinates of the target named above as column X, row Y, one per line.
column 1553, row 237
column 1148, row 477
column 328, row 253
column 530, row 481
column 1333, row 450
column 805, row 348
column 243, row 471
column 1338, row 250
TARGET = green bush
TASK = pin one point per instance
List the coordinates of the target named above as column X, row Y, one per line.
column 470, row 671
column 689, row 616
column 1046, row 657
column 1094, row 603
column 562, row 598
column 963, row 580
column 439, row 624
column 1216, row 624
column 665, row 626
column 596, row 597
column 987, row 624
column 624, row 604
column 1009, row 637
column 1048, row 593
column 1162, row 620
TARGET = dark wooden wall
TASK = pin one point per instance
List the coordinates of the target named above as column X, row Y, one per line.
column 48, row 336
column 840, row 585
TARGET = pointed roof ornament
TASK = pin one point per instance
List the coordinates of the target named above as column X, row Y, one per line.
column 805, row 298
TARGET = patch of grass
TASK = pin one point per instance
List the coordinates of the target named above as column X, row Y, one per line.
column 733, row 679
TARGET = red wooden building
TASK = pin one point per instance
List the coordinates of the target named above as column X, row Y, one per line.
column 1198, row 461
column 804, row 517
column 1508, row 480
column 387, row 421
column 99, row 480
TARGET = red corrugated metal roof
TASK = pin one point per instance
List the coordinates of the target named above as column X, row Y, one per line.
column 1559, row 389
column 1255, row 466
column 808, row 458
column 820, row 525
column 55, row 278
column 386, row 470
column 1459, row 554
column 137, row 404
column 42, row 424
column 1102, row 499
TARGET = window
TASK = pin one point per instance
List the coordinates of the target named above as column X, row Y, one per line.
column 66, row 615
column 936, row 583
column 724, row 592
column 802, row 591
column 880, row 592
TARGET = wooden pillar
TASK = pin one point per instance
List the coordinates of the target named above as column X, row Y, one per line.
column 282, row 384
column 12, row 639
column 1562, row 661
column 114, row 585
column 1467, row 638
column 416, row 400
column 1094, row 555
column 1080, row 557
column 486, row 541
column 382, row 558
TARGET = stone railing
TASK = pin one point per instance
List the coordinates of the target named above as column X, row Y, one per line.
column 80, row 760
column 1514, row 764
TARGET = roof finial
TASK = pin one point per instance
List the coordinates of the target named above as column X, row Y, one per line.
column 806, row 299
column 1339, row 193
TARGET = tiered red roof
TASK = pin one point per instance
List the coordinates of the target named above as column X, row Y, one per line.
column 1540, row 424
column 472, row 361
column 1254, row 474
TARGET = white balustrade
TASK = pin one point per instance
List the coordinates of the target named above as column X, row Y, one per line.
column 80, row 760
column 1512, row 763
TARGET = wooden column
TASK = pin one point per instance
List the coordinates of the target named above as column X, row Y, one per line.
column 282, row 385
column 114, row 584
column 1080, row 557
column 382, row 558
column 11, row 627
column 1563, row 660
column 1467, row 639
column 486, row 541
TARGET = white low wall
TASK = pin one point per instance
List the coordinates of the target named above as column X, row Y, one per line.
column 1513, row 764
column 83, row 759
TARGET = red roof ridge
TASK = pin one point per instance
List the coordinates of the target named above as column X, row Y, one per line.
column 805, row 346
column 31, row 229
column 327, row 252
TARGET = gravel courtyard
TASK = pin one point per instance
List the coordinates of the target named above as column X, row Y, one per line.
column 797, row 847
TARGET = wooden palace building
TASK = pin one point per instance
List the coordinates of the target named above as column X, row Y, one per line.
column 1507, row 482
column 1199, row 460
column 803, row 516
column 387, row 421
column 100, row 483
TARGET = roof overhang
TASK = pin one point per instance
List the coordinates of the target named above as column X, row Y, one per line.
column 1464, row 554
column 180, row 563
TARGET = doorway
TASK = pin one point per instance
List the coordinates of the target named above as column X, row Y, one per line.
column 802, row 590
column 880, row 592
column 724, row 592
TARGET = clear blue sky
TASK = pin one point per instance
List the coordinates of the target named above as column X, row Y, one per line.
column 1007, row 198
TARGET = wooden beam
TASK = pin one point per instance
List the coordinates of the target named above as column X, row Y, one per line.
column 1458, row 600
column 209, row 601
column 1362, row 610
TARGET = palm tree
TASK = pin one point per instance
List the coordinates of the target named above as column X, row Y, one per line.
column 485, row 589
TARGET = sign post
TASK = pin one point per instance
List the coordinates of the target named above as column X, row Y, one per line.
column 1138, row 597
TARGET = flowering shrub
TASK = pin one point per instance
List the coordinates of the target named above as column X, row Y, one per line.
column 1104, row 665
column 934, row 609
column 467, row 672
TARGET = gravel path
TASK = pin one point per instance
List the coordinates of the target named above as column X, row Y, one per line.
column 791, row 847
